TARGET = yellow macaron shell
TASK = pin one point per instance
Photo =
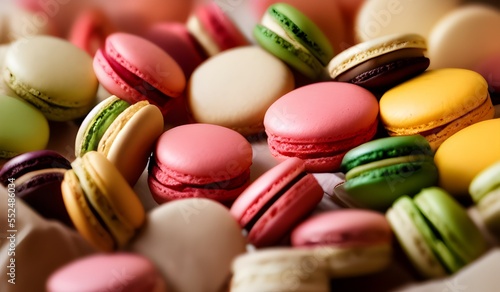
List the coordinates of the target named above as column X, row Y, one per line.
column 129, row 140
column 111, row 197
column 434, row 99
column 462, row 156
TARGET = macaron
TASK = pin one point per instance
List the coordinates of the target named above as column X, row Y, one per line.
column 489, row 68
column 126, row 272
column 465, row 36
column 214, row 30
column 135, row 69
column 90, row 30
column 276, row 202
column 485, row 192
column 100, row 202
column 125, row 134
column 175, row 39
column 36, row 177
column 23, row 128
column 214, row 100
column 199, row 160
column 377, row 18
column 381, row 63
column 291, row 36
column 192, row 242
column 37, row 69
column 319, row 123
column 435, row 232
column 466, row 154
column 364, row 235
column 280, row 269
column 380, row 171
column 436, row 104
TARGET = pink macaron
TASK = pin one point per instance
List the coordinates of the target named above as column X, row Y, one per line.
column 214, row 29
column 200, row 160
column 343, row 228
column 136, row 69
column 90, row 30
column 274, row 203
column 125, row 272
column 175, row 39
column 320, row 122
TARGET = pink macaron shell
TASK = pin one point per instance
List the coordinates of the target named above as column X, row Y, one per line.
column 489, row 68
column 90, row 30
column 220, row 27
column 295, row 203
column 327, row 116
column 174, row 38
column 343, row 228
column 125, row 272
column 326, row 14
column 143, row 59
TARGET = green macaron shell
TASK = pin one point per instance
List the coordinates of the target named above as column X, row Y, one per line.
column 385, row 148
column 378, row 188
column 302, row 29
column 457, row 230
column 448, row 259
column 485, row 182
column 101, row 123
column 302, row 61
column 23, row 128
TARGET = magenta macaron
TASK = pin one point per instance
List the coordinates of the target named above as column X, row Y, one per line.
column 275, row 202
column 319, row 123
column 125, row 272
column 200, row 160
column 136, row 69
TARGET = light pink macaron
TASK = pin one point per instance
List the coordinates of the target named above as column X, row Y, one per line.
column 343, row 228
column 200, row 160
column 125, row 272
column 136, row 69
column 274, row 203
column 319, row 123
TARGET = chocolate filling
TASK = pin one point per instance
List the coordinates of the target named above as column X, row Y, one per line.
column 99, row 219
column 273, row 200
column 143, row 87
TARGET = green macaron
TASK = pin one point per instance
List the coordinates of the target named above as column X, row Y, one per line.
column 436, row 232
column 23, row 128
column 291, row 36
column 485, row 192
column 380, row 171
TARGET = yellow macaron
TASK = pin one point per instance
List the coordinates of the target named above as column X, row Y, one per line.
column 436, row 104
column 101, row 204
column 465, row 154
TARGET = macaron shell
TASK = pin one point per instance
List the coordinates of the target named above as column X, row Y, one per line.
column 343, row 228
column 30, row 133
column 435, row 98
column 81, row 216
column 125, row 272
column 485, row 181
column 457, row 40
column 64, row 84
column 383, row 17
column 203, row 153
column 297, row 202
column 199, row 241
column 213, row 100
column 130, row 139
column 460, row 158
column 451, row 220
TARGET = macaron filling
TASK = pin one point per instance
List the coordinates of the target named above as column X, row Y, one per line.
column 136, row 82
column 271, row 201
column 410, row 161
column 101, row 123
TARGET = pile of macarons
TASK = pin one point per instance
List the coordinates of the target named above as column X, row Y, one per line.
column 248, row 145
